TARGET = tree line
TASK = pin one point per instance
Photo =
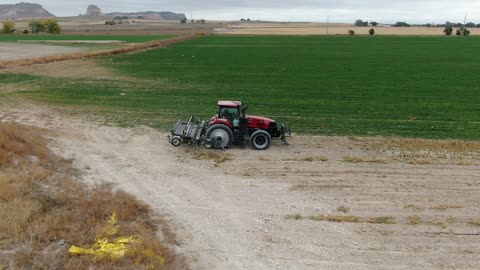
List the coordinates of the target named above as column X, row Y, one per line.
column 50, row 26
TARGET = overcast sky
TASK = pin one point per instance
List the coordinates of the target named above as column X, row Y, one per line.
column 412, row 11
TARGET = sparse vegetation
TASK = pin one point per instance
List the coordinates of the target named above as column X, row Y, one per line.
column 462, row 31
column 44, row 210
column 382, row 220
column 336, row 218
column 363, row 160
column 295, row 217
column 414, row 220
column 343, row 209
column 445, row 207
column 217, row 157
column 475, row 222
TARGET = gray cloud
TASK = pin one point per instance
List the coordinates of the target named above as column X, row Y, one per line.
column 414, row 11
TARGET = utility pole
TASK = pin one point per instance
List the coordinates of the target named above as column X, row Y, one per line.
column 328, row 22
column 464, row 24
column 191, row 21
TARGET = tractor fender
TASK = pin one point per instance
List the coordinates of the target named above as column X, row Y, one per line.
column 221, row 121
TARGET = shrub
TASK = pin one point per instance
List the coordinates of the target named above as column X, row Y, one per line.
column 8, row 27
column 52, row 26
column 36, row 27
column 462, row 31
column 448, row 30
column 351, row 33
column 110, row 23
column 361, row 23
column 371, row 32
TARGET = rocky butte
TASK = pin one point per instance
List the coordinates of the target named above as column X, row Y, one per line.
column 23, row 11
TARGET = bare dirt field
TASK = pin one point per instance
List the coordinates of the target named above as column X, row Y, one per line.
column 15, row 51
column 333, row 29
column 320, row 203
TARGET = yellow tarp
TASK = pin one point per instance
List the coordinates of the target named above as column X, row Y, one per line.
column 116, row 249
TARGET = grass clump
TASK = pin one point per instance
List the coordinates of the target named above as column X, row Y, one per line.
column 336, row 218
column 295, row 217
column 382, row 220
column 414, row 220
column 343, row 209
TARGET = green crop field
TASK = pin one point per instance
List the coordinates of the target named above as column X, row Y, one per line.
column 392, row 86
column 130, row 39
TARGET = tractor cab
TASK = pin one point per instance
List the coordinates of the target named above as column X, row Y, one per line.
column 231, row 111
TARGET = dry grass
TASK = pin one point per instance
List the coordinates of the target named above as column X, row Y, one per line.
column 343, row 209
column 217, row 157
column 428, row 145
column 92, row 54
column 475, row 222
column 445, row 207
column 351, row 159
column 414, row 220
column 336, row 218
column 44, row 210
column 309, row 159
column 295, row 217
column 382, row 220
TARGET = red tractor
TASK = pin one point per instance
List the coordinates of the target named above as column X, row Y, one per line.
column 229, row 126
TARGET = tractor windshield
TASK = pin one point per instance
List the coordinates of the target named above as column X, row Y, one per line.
column 229, row 113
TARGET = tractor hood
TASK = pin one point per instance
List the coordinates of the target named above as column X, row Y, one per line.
column 256, row 122
column 260, row 119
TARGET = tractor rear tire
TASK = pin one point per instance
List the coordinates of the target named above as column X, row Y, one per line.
column 260, row 140
column 220, row 134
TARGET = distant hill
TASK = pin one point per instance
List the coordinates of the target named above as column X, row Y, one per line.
column 23, row 11
column 163, row 15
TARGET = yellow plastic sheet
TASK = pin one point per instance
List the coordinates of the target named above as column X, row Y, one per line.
column 115, row 249
column 103, row 247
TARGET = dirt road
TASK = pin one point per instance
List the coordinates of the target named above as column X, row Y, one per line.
column 233, row 213
column 15, row 51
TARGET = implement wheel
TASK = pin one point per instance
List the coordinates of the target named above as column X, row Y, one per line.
column 220, row 135
column 260, row 140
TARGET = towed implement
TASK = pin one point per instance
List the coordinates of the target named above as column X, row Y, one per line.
column 228, row 127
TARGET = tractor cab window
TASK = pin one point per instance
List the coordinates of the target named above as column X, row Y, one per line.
column 229, row 113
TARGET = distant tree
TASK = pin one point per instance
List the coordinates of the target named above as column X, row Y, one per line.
column 25, row 32
column 478, row 25
column 52, row 26
column 183, row 21
column 373, row 24
column 36, row 27
column 361, row 23
column 242, row 19
column 448, row 30
column 470, row 24
column 401, row 24
column 202, row 21
column 248, row 19
column 462, row 31
column 371, row 32
column 351, row 33
column 110, row 23
column 8, row 27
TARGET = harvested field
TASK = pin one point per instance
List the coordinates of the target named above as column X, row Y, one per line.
column 333, row 29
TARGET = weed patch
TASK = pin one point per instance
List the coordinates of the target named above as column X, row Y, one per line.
column 44, row 211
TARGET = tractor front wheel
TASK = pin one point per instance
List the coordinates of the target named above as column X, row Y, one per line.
column 260, row 140
column 220, row 135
